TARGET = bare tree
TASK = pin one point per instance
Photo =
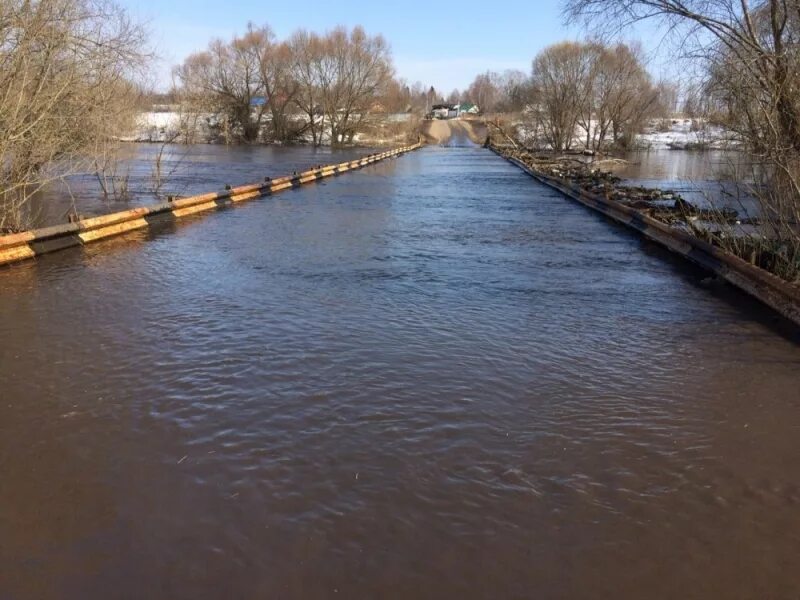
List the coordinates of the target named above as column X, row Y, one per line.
column 431, row 98
column 226, row 78
column 324, row 85
column 752, row 55
column 624, row 94
column 668, row 94
column 66, row 92
column 492, row 91
column 484, row 92
column 309, row 71
column 341, row 77
column 602, row 92
column 361, row 71
column 515, row 86
column 397, row 96
column 561, row 78
column 280, row 88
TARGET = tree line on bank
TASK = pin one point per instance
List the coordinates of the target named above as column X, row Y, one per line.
column 577, row 93
column 605, row 92
column 749, row 54
column 262, row 89
column 328, row 85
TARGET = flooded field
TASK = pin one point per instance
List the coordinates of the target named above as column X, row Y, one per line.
column 149, row 173
column 432, row 378
column 659, row 168
column 704, row 178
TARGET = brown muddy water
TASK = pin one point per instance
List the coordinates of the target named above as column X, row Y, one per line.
column 432, row 378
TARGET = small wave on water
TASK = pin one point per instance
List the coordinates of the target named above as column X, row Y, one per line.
column 429, row 379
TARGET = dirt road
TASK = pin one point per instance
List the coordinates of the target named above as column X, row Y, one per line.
column 454, row 132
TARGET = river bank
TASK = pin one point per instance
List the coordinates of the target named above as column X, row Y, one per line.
column 168, row 126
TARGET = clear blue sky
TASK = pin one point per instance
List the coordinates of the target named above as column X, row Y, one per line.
column 444, row 44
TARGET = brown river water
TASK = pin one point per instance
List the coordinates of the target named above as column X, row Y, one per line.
column 433, row 378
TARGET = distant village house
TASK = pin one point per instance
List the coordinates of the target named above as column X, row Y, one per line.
column 452, row 111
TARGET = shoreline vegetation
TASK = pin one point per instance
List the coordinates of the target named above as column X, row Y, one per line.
column 169, row 127
column 678, row 132
column 748, row 64
column 748, row 237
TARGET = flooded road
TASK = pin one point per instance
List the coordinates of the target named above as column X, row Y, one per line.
column 433, row 378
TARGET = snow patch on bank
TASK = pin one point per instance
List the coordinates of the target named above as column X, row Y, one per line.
column 685, row 134
column 172, row 126
column 156, row 127
column 659, row 134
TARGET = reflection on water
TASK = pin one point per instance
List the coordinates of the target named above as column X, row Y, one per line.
column 660, row 167
column 430, row 379
column 705, row 178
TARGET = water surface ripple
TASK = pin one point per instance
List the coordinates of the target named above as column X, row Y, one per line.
column 431, row 379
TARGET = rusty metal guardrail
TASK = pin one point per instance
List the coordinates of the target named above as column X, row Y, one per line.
column 30, row 244
column 771, row 290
